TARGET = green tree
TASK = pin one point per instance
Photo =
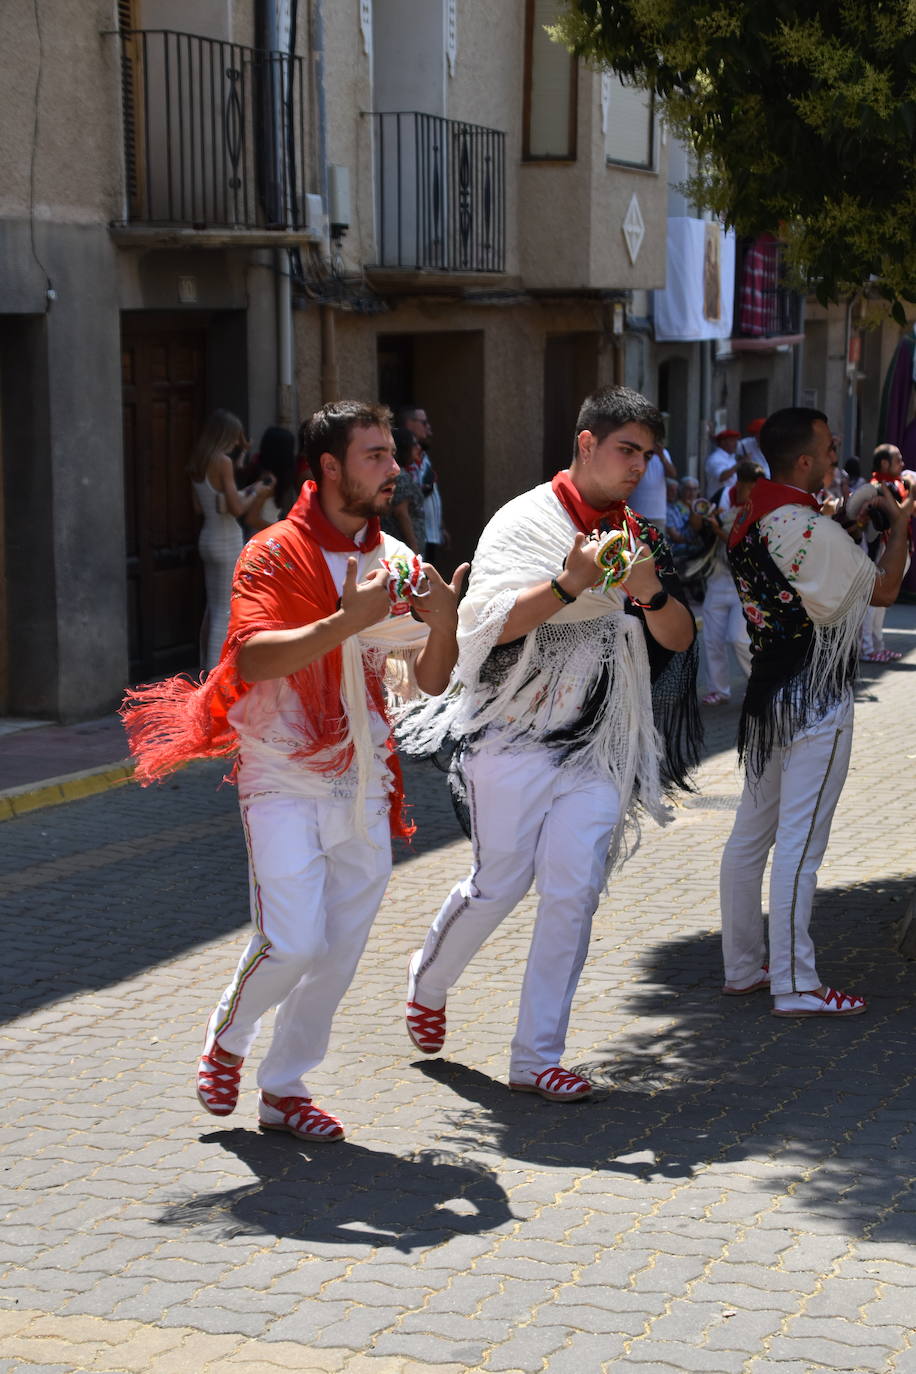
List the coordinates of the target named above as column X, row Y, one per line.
column 802, row 114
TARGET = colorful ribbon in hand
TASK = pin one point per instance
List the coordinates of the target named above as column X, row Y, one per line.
column 615, row 556
column 406, row 580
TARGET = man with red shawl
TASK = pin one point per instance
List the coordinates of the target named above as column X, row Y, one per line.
column 299, row 694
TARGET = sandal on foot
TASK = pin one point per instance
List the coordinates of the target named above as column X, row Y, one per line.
column 714, row 699
column 555, row 1084
column 299, row 1117
column 218, row 1083
column 761, row 981
column 425, row 1025
column 832, row 1003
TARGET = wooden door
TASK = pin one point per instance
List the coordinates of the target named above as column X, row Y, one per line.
column 164, row 398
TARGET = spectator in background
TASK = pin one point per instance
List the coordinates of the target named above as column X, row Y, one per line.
column 405, row 519
column 276, row 457
column 749, row 449
column 682, row 530
column 887, row 471
column 415, row 419
column 212, row 470
column 720, row 465
column 649, row 497
column 853, row 469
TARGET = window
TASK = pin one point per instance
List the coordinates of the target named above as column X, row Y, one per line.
column 550, row 89
column 629, row 123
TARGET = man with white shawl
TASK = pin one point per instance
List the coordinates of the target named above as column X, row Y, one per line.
column 557, row 729
column 805, row 586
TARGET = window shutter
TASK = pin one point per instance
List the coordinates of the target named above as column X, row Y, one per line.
column 629, row 125
column 550, row 88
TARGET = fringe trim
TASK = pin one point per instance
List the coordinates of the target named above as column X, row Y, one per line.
column 171, row 723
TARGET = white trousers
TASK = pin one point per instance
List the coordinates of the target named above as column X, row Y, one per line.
column 789, row 808
column 315, row 889
column 873, row 630
column 530, row 820
column 723, row 625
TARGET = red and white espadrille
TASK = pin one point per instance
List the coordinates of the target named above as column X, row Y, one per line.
column 299, row 1117
column 830, row 1003
column 555, row 1084
column 425, row 1025
column 218, row 1083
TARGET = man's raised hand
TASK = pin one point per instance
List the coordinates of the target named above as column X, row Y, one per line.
column 364, row 603
column 438, row 607
column 581, row 569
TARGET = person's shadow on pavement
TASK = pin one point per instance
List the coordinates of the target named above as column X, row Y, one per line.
column 606, row 1131
column 344, row 1192
column 701, row 1079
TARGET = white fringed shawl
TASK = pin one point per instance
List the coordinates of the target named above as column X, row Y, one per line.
column 527, row 691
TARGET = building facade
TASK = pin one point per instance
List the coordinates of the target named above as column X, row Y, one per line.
column 262, row 205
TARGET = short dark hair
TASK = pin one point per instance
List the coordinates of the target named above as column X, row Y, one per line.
column 606, row 411
column 748, row 471
column 405, row 413
column 787, row 434
column 884, row 453
column 330, row 428
column 404, row 443
column 853, row 468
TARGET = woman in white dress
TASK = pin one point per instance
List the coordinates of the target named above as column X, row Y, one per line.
column 218, row 499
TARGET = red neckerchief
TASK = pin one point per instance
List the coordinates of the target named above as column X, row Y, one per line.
column 767, row 496
column 309, row 515
column 585, row 517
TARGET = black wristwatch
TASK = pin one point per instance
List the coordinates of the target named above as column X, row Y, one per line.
column 655, row 602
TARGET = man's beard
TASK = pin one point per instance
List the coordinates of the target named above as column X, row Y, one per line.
column 357, row 502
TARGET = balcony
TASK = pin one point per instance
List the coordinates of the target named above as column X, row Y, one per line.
column 767, row 312
column 214, row 137
column 440, row 194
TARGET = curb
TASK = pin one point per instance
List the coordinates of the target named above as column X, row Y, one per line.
column 18, row 801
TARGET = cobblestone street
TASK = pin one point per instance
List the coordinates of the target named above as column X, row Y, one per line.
column 738, row 1196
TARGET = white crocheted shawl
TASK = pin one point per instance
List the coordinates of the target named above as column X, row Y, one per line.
column 536, row 689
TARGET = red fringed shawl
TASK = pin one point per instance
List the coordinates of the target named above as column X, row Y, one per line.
column 281, row 580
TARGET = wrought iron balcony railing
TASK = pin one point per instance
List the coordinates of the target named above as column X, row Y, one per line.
column 765, row 308
column 440, row 194
column 214, row 132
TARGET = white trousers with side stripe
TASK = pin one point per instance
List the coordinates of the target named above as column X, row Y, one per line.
column 531, row 821
column 315, row 890
column 789, row 808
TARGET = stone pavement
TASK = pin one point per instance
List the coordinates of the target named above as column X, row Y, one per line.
column 739, row 1195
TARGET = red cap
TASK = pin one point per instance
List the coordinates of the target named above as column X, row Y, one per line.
column 728, row 434
column 756, row 426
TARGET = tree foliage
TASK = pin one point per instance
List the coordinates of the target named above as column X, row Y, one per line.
column 802, row 114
